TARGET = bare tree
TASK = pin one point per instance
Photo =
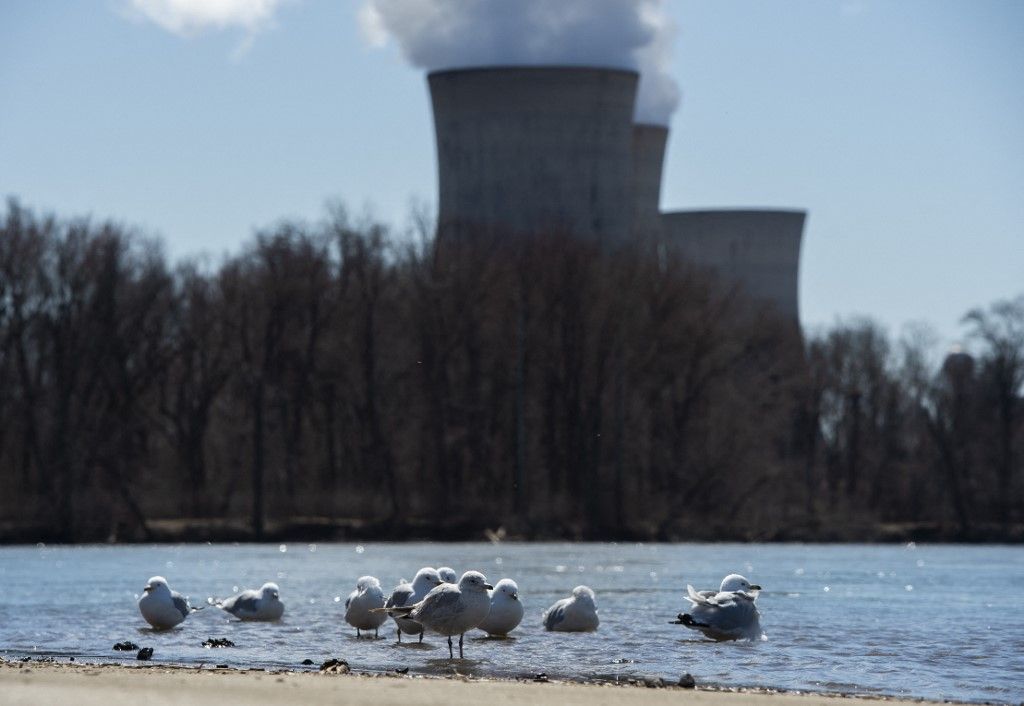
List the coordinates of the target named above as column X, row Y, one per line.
column 1001, row 378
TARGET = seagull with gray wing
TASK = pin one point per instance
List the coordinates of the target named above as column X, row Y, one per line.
column 452, row 609
column 405, row 594
column 360, row 605
column 506, row 609
column 161, row 607
column 726, row 614
column 577, row 613
column 263, row 605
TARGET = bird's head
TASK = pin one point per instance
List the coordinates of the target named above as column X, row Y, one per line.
column 426, row 578
column 734, row 583
column 584, row 594
column 367, row 582
column 474, row 581
column 157, row 585
column 270, row 590
column 507, row 588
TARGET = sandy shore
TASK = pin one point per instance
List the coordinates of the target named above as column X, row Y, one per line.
column 110, row 685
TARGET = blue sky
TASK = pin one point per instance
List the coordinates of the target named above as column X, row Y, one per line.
column 899, row 126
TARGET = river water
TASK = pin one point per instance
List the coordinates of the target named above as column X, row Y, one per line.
column 937, row 622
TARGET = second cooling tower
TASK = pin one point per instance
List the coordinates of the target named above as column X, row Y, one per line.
column 648, row 159
column 756, row 250
column 534, row 150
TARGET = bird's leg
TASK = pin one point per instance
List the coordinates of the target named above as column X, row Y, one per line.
column 399, row 631
column 421, row 635
column 375, row 631
column 451, row 654
column 460, row 644
column 358, row 634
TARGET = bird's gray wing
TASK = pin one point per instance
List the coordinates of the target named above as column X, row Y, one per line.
column 181, row 603
column 439, row 604
column 727, row 617
column 555, row 614
column 248, row 604
column 399, row 596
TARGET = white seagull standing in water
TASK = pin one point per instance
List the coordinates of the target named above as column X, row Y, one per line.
column 161, row 607
column 360, row 604
column 405, row 594
column 506, row 609
column 452, row 609
column 263, row 605
column 578, row 613
column 726, row 614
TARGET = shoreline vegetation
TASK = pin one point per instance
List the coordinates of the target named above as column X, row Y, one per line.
column 342, row 380
column 317, row 529
column 51, row 681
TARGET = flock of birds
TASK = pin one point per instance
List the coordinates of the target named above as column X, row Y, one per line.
column 438, row 601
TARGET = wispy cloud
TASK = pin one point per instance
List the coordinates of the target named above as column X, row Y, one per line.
column 374, row 27
column 187, row 18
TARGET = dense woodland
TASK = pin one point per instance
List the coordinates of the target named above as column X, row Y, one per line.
column 345, row 380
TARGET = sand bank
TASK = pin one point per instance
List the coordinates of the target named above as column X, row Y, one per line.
column 89, row 685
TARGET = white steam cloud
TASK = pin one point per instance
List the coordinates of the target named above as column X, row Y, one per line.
column 189, row 17
column 446, row 34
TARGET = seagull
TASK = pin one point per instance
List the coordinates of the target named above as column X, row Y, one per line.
column 726, row 614
column 263, row 605
column 406, row 594
column 506, row 609
column 359, row 604
column 161, row 607
column 578, row 613
column 452, row 609
column 448, row 574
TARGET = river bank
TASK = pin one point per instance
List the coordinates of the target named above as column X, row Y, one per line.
column 324, row 529
column 24, row 683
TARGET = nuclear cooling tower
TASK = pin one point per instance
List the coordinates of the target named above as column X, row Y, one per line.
column 532, row 150
column 759, row 250
column 648, row 158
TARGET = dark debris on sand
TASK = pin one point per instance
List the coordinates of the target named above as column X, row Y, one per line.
column 687, row 681
column 217, row 642
column 335, row 666
column 126, row 646
column 145, row 653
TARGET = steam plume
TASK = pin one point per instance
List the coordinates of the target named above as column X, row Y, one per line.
column 446, row 34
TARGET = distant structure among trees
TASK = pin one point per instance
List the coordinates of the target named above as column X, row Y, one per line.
column 340, row 380
column 524, row 150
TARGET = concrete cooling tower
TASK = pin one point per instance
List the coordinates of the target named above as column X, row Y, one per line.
column 530, row 150
column 648, row 158
column 758, row 250
column 554, row 150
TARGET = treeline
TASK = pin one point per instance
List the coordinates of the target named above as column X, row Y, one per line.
column 342, row 380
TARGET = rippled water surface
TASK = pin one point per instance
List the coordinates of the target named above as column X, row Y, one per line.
column 926, row 621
